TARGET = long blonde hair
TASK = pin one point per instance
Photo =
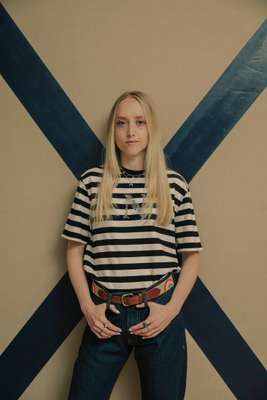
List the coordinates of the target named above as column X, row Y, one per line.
column 156, row 179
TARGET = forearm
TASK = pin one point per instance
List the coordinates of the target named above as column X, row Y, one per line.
column 77, row 275
column 185, row 283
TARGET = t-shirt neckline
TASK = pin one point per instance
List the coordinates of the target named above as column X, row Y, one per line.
column 133, row 171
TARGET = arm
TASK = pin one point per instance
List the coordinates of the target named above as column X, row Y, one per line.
column 160, row 319
column 188, row 243
column 187, row 278
column 77, row 274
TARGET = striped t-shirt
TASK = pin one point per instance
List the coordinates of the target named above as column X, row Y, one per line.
column 131, row 252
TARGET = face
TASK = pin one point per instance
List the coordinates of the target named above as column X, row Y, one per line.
column 131, row 126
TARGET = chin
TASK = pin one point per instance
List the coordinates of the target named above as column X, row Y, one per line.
column 131, row 150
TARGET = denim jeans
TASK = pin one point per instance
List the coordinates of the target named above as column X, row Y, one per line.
column 161, row 360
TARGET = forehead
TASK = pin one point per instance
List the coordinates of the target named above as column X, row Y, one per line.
column 129, row 108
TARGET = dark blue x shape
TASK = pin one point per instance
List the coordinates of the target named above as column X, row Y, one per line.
column 187, row 151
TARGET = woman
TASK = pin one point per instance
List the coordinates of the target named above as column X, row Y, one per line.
column 130, row 229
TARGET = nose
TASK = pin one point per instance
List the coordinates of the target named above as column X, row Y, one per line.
column 131, row 129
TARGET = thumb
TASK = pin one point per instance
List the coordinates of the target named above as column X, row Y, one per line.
column 114, row 309
column 141, row 305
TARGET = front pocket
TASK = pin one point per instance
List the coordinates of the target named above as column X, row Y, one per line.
column 96, row 299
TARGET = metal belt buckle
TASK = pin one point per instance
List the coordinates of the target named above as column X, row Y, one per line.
column 125, row 295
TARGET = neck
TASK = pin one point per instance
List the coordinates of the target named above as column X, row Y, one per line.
column 132, row 172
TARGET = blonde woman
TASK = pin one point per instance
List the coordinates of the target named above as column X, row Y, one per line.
column 132, row 257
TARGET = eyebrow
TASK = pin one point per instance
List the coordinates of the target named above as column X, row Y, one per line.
column 138, row 116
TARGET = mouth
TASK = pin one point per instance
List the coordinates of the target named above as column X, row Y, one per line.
column 131, row 142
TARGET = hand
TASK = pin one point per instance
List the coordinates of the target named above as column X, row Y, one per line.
column 96, row 318
column 160, row 315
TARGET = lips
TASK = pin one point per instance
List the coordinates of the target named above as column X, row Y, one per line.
column 131, row 142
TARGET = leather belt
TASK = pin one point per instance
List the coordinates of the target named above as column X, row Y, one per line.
column 129, row 298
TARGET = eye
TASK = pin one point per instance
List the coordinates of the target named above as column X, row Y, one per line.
column 141, row 122
column 119, row 123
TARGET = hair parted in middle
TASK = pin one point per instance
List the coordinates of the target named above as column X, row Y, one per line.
column 155, row 167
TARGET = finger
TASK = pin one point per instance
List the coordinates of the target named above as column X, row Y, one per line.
column 99, row 327
column 103, row 335
column 143, row 331
column 104, row 332
column 152, row 334
column 141, row 305
column 140, row 325
column 114, row 309
column 112, row 327
column 148, row 332
column 104, row 321
column 99, row 333
column 148, row 329
column 109, row 327
column 154, row 330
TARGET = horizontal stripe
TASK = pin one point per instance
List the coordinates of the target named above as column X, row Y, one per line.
column 131, row 253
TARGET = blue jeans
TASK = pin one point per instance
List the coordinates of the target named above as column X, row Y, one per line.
column 161, row 360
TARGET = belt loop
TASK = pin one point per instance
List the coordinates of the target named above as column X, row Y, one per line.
column 144, row 294
column 108, row 301
column 175, row 274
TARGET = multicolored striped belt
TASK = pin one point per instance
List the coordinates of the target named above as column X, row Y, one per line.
column 129, row 299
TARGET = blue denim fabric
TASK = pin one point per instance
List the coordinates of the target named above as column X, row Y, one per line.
column 161, row 360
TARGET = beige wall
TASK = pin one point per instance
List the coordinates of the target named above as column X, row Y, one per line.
column 175, row 51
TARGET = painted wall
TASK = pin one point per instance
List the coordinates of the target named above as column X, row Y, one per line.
column 175, row 51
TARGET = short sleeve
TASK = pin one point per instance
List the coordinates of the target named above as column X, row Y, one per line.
column 77, row 226
column 186, row 229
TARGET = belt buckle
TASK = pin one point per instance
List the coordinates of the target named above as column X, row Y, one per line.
column 122, row 298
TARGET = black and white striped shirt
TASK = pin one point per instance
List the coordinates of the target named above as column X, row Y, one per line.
column 124, row 254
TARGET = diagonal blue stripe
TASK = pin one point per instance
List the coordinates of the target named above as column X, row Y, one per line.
column 225, row 103
column 222, row 107
column 40, row 325
column 38, row 339
column 223, row 345
column 45, row 100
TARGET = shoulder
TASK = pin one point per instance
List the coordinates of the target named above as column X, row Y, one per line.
column 92, row 175
column 92, row 172
column 178, row 182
